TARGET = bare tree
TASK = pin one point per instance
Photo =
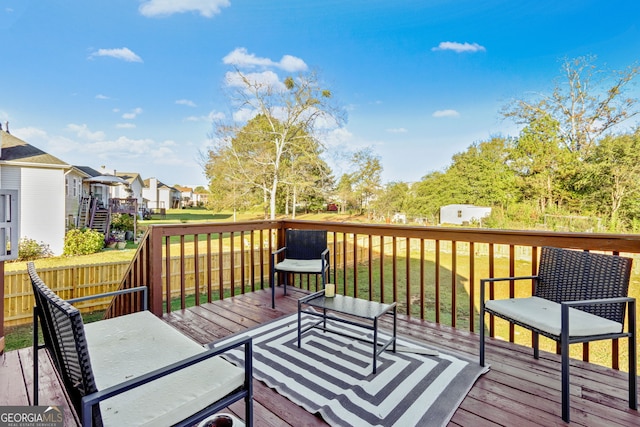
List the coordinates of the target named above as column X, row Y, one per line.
column 292, row 114
column 586, row 104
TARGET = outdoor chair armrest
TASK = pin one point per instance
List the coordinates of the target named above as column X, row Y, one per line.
column 501, row 279
column 599, row 301
column 95, row 398
column 142, row 289
column 274, row 253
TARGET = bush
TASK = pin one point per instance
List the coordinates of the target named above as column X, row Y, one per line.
column 29, row 249
column 122, row 222
column 83, row 242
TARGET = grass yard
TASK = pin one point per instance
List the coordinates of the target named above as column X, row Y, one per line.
column 437, row 306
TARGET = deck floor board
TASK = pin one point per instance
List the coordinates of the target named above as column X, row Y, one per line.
column 517, row 390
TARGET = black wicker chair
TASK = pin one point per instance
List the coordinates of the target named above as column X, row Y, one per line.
column 305, row 252
column 70, row 345
column 579, row 297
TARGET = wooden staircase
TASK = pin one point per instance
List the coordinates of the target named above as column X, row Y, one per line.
column 92, row 215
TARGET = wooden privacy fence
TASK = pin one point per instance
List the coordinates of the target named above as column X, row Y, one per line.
column 82, row 280
column 68, row 282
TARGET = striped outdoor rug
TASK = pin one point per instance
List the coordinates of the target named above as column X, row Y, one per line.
column 332, row 375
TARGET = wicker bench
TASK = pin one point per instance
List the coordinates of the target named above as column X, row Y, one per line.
column 579, row 297
column 136, row 369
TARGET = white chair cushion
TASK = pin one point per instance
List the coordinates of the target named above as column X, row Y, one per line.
column 129, row 346
column 545, row 315
column 300, row 265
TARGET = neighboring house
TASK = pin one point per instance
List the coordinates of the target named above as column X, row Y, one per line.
column 100, row 191
column 200, row 198
column 40, row 179
column 159, row 195
column 463, row 214
column 186, row 196
column 74, row 190
column 133, row 189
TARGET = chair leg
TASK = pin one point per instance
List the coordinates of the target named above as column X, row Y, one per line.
column 35, row 356
column 633, row 379
column 535, row 337
column 564, row 348
column 481, row 322
column 273, row 289
column 481, row 333
column 286, row 279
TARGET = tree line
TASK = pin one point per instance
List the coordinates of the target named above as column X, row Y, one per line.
column 573, row 164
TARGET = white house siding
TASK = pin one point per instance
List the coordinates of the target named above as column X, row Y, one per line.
column 73, row 193
column 42, row 210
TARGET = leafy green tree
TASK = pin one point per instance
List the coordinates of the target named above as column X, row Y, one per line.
column 611, row 175
column 233, row 182
column 344, row 193
column 429, row 194
column 366, row 180
column 393, row 198
column 481, row 175
column 542, row 164
column 291, row 114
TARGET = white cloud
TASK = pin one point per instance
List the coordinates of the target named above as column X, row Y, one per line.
column 100, row 96
column 206, row 8
column 123, row 53
column 397, row 130
column 133, row 114
column 186, row 102
column 125, row 126
column 460, row 47
column 265, row 79
column 243, row 59
column 446, row 113
column 82, row 131
column 244, row 115
column 211, row 117
column 292, row 64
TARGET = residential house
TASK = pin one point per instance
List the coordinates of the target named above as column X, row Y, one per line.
column 133, row 188
column 200, row 198
column 40, row 179
column 74, row 190
column 186, row 196
column 160, row 196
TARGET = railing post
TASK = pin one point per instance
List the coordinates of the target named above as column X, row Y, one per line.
column 155, row 273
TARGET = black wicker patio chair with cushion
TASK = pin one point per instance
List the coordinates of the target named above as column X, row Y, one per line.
column 579, row 297
column 135, row 369
column 305, row 252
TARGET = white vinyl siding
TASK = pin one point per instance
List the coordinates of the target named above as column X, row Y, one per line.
column 42, row 209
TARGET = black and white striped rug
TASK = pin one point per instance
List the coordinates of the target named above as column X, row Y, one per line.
column 332, row 375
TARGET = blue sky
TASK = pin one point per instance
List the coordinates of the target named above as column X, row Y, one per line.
column 134, row 84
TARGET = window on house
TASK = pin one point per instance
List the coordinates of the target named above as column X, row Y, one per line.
column 75, row 187
column 66, row 186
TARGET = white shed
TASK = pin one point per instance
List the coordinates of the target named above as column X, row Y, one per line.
column 461, row 214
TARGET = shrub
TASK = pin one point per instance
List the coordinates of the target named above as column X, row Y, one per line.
column 122, row 222
column 83, row 242
column 29, row 249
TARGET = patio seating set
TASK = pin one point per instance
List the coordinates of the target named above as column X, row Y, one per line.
column 134, row 367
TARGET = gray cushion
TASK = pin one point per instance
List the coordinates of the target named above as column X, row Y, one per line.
column 300, row 265
column 128, row 346
column 544, row 315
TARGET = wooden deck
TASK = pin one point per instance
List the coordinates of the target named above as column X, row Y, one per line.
column 517, row 391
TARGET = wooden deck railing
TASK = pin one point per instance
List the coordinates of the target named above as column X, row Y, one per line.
column 432, row 272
